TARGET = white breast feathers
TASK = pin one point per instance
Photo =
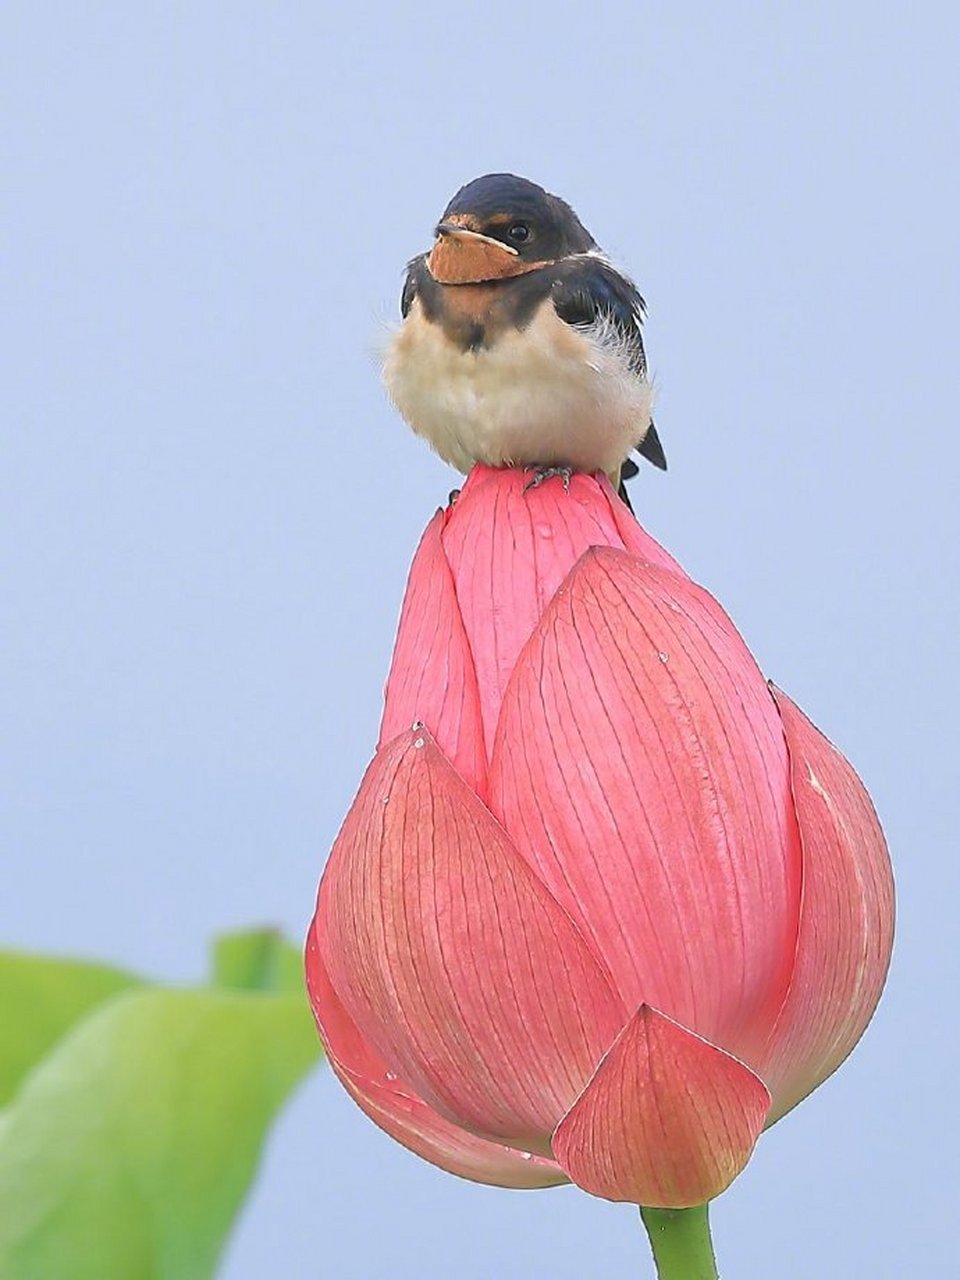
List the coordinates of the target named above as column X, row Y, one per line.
column 549, row 394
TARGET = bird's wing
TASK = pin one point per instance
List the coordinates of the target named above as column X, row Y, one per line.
column 411, row 284
column 588, row 288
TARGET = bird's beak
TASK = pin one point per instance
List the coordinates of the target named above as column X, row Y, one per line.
column 463, row 256
column 464, row 233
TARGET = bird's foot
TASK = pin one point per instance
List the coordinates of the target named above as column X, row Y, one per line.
column 545, row 473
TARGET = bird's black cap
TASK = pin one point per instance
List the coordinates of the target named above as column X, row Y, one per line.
column 538, row 226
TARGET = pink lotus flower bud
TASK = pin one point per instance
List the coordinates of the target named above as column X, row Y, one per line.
column 606, row 904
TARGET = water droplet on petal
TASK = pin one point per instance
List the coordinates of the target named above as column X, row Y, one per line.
column 390, row 1075
column 418, row 743
column 664, row 657
column 417, row 725
column 525, row 1155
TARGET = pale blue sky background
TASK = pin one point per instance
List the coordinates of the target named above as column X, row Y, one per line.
column 209, row 508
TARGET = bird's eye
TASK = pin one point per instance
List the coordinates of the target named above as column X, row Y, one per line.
column 518, row 232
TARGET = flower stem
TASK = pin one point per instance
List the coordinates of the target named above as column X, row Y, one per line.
column 680, row 1240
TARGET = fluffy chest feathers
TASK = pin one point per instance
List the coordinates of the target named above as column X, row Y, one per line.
column 479, row 388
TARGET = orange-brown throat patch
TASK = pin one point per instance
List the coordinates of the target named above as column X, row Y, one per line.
column 470, row 260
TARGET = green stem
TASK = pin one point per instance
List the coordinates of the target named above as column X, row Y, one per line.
column 680, row 1240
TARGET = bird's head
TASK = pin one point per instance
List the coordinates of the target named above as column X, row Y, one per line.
column 500, row 226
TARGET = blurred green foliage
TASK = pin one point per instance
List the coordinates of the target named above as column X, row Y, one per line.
column 135, row 1114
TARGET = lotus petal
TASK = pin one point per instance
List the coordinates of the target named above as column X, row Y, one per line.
column 633, row 536
column 509, row 547
column 432, row 678
column 846, row 916
column 453, row 960
column 641, row 767
column 394, row 1106
column 668, row 1121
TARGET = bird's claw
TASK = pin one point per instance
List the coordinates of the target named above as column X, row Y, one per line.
column 545, row 473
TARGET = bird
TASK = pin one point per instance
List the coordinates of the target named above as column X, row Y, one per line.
column 521, row 343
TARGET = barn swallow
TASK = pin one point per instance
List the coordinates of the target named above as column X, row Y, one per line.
column 521, row 343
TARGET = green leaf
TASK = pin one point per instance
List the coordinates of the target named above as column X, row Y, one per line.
column 129, row 1149
column 41, row 999
column 257, row 960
